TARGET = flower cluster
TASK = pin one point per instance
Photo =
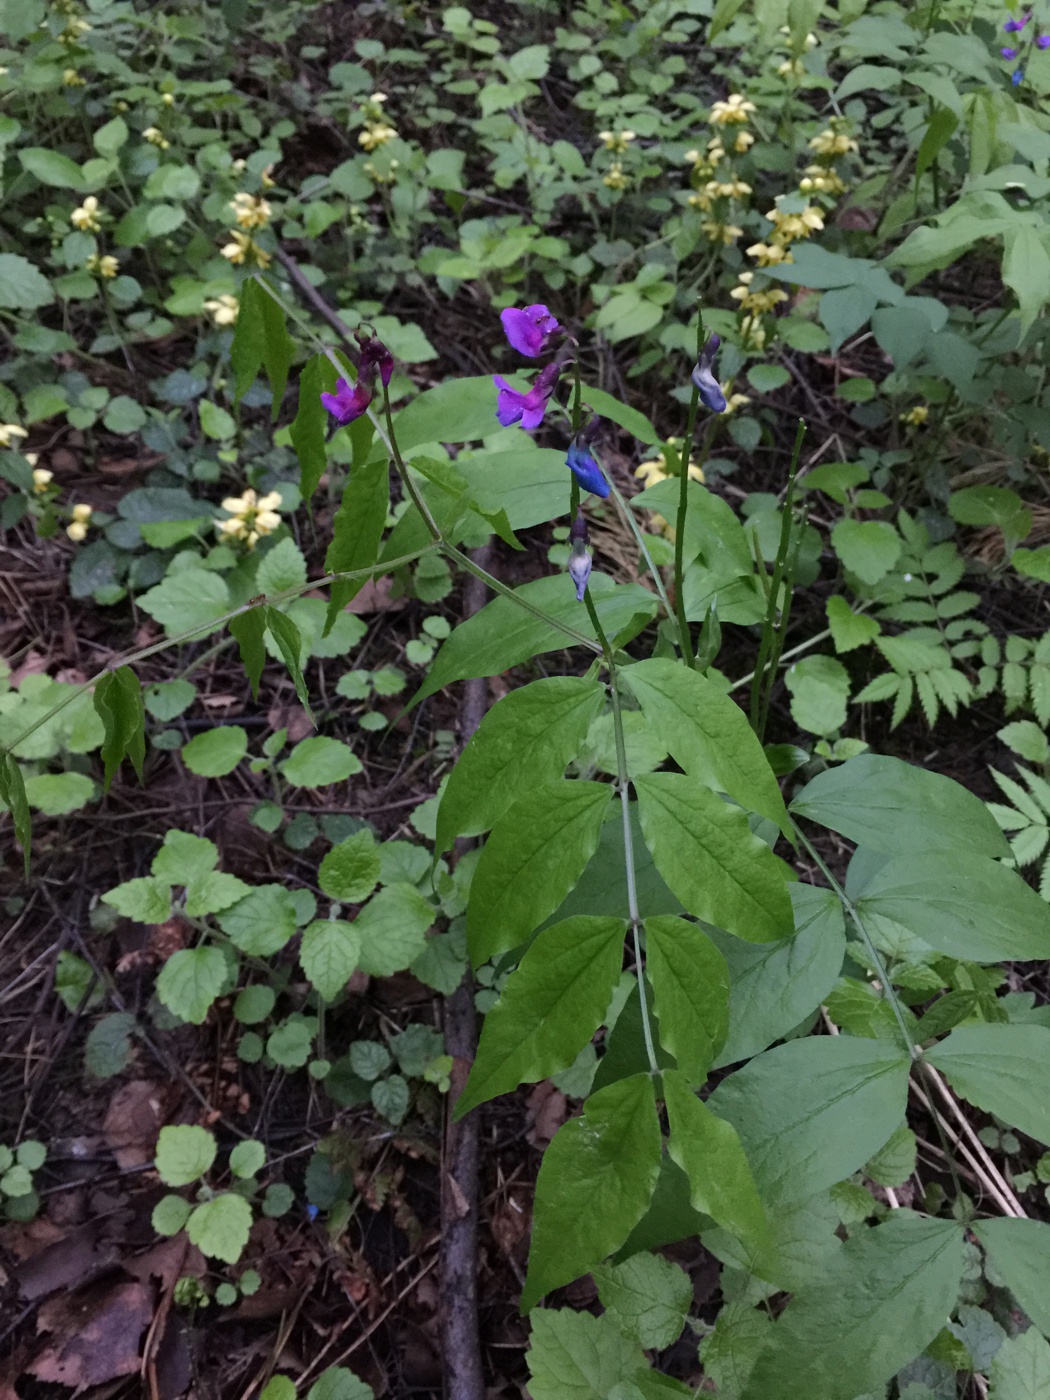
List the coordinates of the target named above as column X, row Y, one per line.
column 156, row 137
column 223, row 309
column 915, row 417
column 617, row 144
column 250, row 517
column 659, row 468
column 250, row 210
column 719, row 196
column 81, row 518
column 87, row 217
column 351, row 400
column 1012, row 53
column 10, row 434
column 242, row 248
column 103, row 265
column 793, row 67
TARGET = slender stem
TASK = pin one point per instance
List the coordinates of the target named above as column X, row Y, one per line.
column 684, row 639
column 636, row 531
column 465, row 562
column 787, row 656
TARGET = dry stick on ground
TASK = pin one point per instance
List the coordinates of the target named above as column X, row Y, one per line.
column 460, row 1344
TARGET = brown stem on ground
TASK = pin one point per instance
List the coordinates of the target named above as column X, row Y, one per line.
column 460, row 1344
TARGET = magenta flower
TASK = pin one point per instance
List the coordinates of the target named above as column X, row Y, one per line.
column 528, row 408
column 1014, row 26
column 349, row 400
column 529, row 329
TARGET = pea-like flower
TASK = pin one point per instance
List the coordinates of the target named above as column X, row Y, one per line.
column 616, row 141
column 250, row 211
column 718, row 232
column 87, row 217
column 223, row 309
column 734, row 109
column 71, row 78
column 1043, row 42
column 243, row 248
column 586, row 470
column 252, row 517
column 832, row 143
column 349, row 400
column 1014, row 26
column 527, row 408
column 769, row 254
column 42, row 479
column 579, row 555
column 376, row 134
column 10, row 433
column 616, row 179
column 703, row 377
column 78, row 529
column 743, row 142
column 103, row 265
column 529, row 329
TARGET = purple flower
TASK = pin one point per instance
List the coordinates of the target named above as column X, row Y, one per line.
column 528, row 408
column 579, row 557
column 1009, row 53
column 710, row 390
column 375, row 355
column 586, row 470
column 1017, row 77
column 1014, row 26
column 349, row 400
column 1043, row 42
column 529, row 329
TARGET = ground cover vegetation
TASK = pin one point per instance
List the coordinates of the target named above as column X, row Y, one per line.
column 530, row 518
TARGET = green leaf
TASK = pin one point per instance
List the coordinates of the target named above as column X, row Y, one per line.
column 118, row 702
column 247, row 1158
column 535, row 855
column 146, row 900
column 190, row 981
column 961, row 903
column 714, row 864
column 575, row 1356
column 527, row 739
column 648, row 1296
column 220, row 1227
column 503, row 634
column 254, row 1004
column 849, row 630
column 289, row 643
column 51, row 168
column 1001, row 1069
column 109, row 138
column 350, row 871
column 215, row 421
column 357, row 531
column 281, row 568
column 319, row 762
column 709, row 1151
column 813, row 1111
column 337, row 1383
column 457, row 410
column 606, row 406
column 690, row 982
column 75, row 980
column 261, row 923
column 595, row 1183
column 392, row 927
column 329, row 954
column 1021, row 1368
column 1019, row 1250
column 390, row 1098
column 1033, row 563
column 184, row 858
column 248, row 628
column 190, row 600
column 107, row 1050
column 708, row 735
column 895, row 807
column 549, row 1008
column 170, row 1215
column 13, row 795
column 184, row 1153
column 260, row 338
column 894, row 1162
column 23, row 287
column 881, row 1299
column 775, row 986
column 1026, row 738
column 868, row 548
column 939, row 131
column 1026, row 270
column 724, row 13
column 819, row 688
column 307, row 431
column 216, row 752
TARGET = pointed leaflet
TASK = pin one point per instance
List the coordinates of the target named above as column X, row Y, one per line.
column 503, row 634
column 717, row 867
column 879, row 1302
column 290, row 644
column 574, row 1356
column 1003, row 1070
column 710, row 1153
column 892, row 806
column 649, row 1297
column 531, row 861
column 356, row 532
column 596, row 1180
column 329, row 953
column 260, row 338
column 118, row 701
column 1021, row 1368
column 529, row 737
column 708, row 735
column 13, row 795
column 690, row 982
column 454, row 485
column 548, row 1009
column 961, row 903
column 307, row 430
column 1020, row 1252
column 811, row 1112
column 248, row 628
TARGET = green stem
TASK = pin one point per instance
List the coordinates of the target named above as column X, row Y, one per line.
column 635, row 529
column 684, row 639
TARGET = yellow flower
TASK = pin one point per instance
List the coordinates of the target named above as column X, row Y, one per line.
column 832, row 143
column 756, row 300
column 744, row 141
column 72, row 78
column 223, row 309
column 769, row 254
column 821, row 179
column 250, row 211
column 77, row 531
column 721, row 233
column 651, row 472
column 104, row 265
column 239, row 165
column 616, row 179
column 700, row 200
column 792, row 226
column 9, row 431
column 916, row 416
column 376, row 134
column 616, row 141
column 694, row 157
column 734, row 109
column 728, row 189
column 266, row 178
column 42, row 479
column 168, row 98
column 791, row 68
column 753, row 332
column 379, row 98
column 251, row 517
column 73, row 30
column 156, row 137
column 81, row 513
column 733, row 401
column 387, row 177
column 244, row 249
column 87, row 216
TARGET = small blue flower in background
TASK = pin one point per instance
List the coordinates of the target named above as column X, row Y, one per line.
column 579, row 556
column 312, row 1212
column 529, row 329
column 1043, row 42
column 1017, row 77
column 710, row 390
column 1009, row 53
column 527, row 409
column 586, row 470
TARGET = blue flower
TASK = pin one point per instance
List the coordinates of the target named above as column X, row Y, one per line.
column 1009, row 53
column 1017, row 77
column 579, row 556
column 710, row 390
column 1014, row 26
column 586, row 470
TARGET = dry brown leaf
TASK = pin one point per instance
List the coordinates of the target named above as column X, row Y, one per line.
column 96, row 1333
column 133, row 1122
column 547, row 1111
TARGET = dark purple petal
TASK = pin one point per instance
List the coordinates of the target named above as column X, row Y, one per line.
column 529, row 329
column 349, row 400
column 375, row 355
